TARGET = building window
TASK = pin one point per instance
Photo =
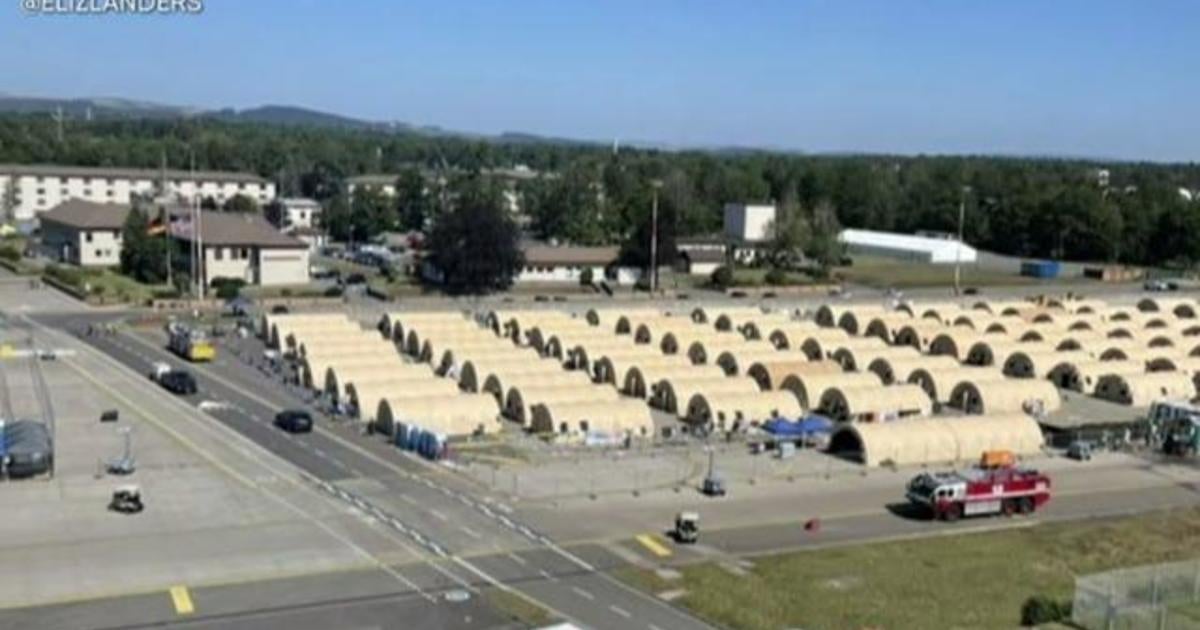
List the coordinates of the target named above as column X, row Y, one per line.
column 241, row 185
column 116, row 235
column 63, row 193
column 87, row 236
column 245, row 253
column 218, row 253
column 87, row 192
column 39, row 179
column 99, row 253
column 41, row 202
column 87, row 181
column 41, row 191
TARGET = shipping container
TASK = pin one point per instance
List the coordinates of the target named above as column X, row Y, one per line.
column 1040, row 268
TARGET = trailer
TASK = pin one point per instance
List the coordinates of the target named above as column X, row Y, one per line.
column 979, row 491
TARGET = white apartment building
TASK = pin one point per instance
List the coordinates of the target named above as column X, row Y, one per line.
column 28, row 190
column 748, row 222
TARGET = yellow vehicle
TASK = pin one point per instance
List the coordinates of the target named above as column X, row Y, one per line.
column 190, row 343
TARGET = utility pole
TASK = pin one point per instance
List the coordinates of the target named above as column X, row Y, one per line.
column 962, row 213
column 654, row 185
column 58, row 118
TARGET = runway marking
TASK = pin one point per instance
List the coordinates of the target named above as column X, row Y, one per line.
column 547, row 575
column 438, row 515
column 582, row 593
column 620, row 611
column 518, row 559
column 653, row 627
column 649, row 542
column 408, row 499
column 182, row 600
column 470, row 532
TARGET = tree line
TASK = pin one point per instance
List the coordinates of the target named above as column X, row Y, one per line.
column 1029, row 207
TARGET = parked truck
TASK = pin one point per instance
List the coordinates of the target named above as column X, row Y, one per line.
column 1175, row 426
column 1007, row 490
column 190, row 343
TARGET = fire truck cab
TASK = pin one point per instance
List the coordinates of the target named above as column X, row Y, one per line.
column 951, row 495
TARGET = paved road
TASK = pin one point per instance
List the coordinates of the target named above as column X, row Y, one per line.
column 470, row 542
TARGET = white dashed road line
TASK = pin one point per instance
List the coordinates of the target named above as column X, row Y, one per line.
column 620, row 611
column 582, row 593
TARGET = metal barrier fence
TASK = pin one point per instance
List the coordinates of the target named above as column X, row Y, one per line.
column 1154, row 597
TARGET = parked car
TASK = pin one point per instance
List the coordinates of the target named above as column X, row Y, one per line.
column 1080, row 450
column 279, row 309
column 1158, row 285
column 179, row 382
column 294, row 421
column 355, row 279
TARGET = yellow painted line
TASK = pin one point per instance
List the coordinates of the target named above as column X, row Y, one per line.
column 655, row 547
column 182, row 600
column 6, row 350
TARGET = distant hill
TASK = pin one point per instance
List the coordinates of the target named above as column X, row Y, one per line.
column 292, row 115
column 92, row 107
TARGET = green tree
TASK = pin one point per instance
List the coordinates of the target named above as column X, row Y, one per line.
column 371, row 212
column 143, row 256
column 823, row 247
column 413, row 203
column 475, row 243
column 241, row 204
column 790, row 235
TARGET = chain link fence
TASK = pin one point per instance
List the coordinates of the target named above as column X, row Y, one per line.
column 1155, row 597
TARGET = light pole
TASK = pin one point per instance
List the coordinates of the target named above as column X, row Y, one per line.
column 655, row 185
column 962, row 212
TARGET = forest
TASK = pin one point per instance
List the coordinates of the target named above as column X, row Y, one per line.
column 1023, row 206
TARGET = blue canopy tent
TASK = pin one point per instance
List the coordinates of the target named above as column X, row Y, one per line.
column 807, row 426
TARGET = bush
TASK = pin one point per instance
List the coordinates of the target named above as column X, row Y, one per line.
column 1040, row 609
column 10, row 253
column 333, row 292
column 585, row 277
column 776, row 277
column 643, row 284
column 722, row 277
column 228, row 288
column 285, row 293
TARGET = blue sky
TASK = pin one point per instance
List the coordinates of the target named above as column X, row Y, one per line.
column 1063, row 77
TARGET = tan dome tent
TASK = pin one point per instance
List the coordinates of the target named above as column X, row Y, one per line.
column 520, row 400
column 473, row 375
column 722, row 410
column 641, row 379
column 792, row 334
column 919, row 334
column 898, row 369
column 992, row 352
column 939, row 382
column 827, row 315
column 560, row 345
column 628, row 324
column 614, row 417
column 455, row 354
column 300, row 341
column 1139, row 390
column 885, row 327
column 858, row 359
column 314, row 366
column 1031, row 396
column 753, row 327
column 1181, row 308
column 727, row 319
column 585, row 356
column 809, row 388
column 395, row 326
column 706, row 351
column 955, row 342
column 770, row 374
column 942, row 312
column 735, row 363
column 874, row 403
column 678, row 342
column 1189, row 365
column 1037, row 361
column 452, row 415
column 672, row 394
column 274, row 328
column 606, row 318
column 854, row 321
column 339, row 374
column 499, row 383
column 364, row 398
column 614, row 368
column 1084, row 376
column 918, row 441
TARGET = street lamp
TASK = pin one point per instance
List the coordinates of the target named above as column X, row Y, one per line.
column 962, row 212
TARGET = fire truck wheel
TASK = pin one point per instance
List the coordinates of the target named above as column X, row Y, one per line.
column 1026, row 505
column 1008, row 508
column 952, row 513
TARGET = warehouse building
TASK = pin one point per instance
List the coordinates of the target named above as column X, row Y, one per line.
column 925, row 249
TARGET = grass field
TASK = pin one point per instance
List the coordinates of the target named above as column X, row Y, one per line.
column 968, row 581
column 883, row 272
column 518, row 608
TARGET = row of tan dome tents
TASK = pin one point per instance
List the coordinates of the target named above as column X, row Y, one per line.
column 362, row 373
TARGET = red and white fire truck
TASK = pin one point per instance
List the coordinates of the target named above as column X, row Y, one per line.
column 1008, row 491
